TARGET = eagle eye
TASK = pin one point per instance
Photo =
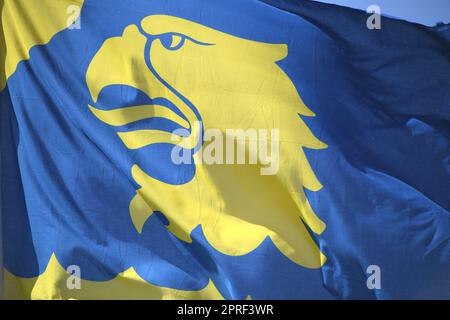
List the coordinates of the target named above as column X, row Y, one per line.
column 172, row 41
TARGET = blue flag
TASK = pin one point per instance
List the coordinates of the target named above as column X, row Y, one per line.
column 263, row 149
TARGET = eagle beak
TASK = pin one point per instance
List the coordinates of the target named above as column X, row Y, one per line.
column 120, row 60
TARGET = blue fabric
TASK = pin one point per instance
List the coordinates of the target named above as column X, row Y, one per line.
column 382, row 105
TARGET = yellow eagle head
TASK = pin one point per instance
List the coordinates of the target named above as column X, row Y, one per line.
column 227, row 82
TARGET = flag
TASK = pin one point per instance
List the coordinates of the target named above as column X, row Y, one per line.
column 238, row 149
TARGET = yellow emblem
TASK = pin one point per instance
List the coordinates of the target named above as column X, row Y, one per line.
column 227, row 82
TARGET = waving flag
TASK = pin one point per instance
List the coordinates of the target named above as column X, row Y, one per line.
column 222, row 150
